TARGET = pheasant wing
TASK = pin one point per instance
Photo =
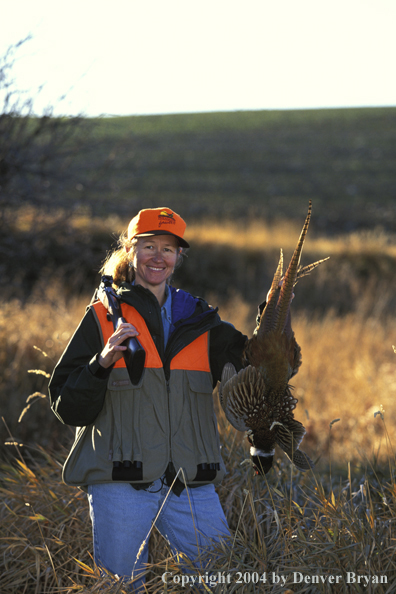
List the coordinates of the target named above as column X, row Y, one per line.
column 289, row 436
column 301, row 460
column 297, row 358
column 242, row 396
column 228, row 372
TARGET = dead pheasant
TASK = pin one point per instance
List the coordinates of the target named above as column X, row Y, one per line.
column 258, row 399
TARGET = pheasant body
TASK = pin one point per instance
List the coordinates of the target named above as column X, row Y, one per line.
column 258, row 398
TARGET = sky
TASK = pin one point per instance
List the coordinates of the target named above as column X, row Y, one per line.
column 132, row 57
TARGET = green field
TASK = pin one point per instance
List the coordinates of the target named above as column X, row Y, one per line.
column 259, row 164
column 244, row 164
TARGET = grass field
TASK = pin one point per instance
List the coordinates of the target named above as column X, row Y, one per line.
column 243, row 182
column 236, row 166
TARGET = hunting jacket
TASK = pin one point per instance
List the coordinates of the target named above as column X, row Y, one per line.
column 136, row 434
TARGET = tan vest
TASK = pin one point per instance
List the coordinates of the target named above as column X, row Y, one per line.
column 142, row 428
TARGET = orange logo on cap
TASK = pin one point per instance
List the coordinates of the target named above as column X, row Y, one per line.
column 166, row 218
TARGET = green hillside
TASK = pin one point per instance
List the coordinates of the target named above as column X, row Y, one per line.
column 248, row 164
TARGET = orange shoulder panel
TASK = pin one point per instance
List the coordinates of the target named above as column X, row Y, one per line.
column 194, row 356
column 153, row 359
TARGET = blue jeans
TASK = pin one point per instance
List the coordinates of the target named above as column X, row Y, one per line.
column 122, row 517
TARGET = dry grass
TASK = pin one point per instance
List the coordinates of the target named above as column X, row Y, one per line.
column 326, row 522
column 311, row 524
column 247, row 234
column 284, row 234
column 33, row 336
column 348, row 372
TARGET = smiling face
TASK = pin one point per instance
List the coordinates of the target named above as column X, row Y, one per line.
column 154, row 261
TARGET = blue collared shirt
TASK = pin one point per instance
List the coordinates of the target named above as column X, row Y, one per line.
column 166, row 314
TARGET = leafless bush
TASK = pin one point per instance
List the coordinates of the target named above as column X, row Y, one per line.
column 35, row 150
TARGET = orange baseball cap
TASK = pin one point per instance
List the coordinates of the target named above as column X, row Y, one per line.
column 158, row 221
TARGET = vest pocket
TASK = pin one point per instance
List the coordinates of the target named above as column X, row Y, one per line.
column 120, row 382
column 138, row 445
column 204, row 422
column 200, row 382
column 195, row 442
column 207, row 472
column 127, row 471
column 123, row 407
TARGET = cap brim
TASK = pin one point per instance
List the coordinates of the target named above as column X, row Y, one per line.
column 182, row 242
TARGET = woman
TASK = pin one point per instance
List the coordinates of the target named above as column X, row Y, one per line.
column 139, row 445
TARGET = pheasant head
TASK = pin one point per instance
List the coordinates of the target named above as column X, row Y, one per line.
column 258, row 399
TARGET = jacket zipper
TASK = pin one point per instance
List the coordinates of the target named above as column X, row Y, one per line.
column 169, row 420
column 166, row 368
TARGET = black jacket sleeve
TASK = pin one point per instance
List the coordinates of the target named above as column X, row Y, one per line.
column 78, row 384
column 226, row 345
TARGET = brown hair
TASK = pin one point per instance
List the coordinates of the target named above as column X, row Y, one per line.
column 118, row 263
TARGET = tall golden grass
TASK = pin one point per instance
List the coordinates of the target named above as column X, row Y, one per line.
column 338, row 518
column 284, row 233
column 289, row 525
column 247, row 234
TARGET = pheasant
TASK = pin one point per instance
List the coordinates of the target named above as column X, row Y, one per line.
column 258, row 399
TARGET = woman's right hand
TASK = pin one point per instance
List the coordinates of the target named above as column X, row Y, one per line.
column 113, row 351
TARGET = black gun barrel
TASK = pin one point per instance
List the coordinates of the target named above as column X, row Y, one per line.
column 135, row 355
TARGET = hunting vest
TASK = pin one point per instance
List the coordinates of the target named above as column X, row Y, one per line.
column 143, row 428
